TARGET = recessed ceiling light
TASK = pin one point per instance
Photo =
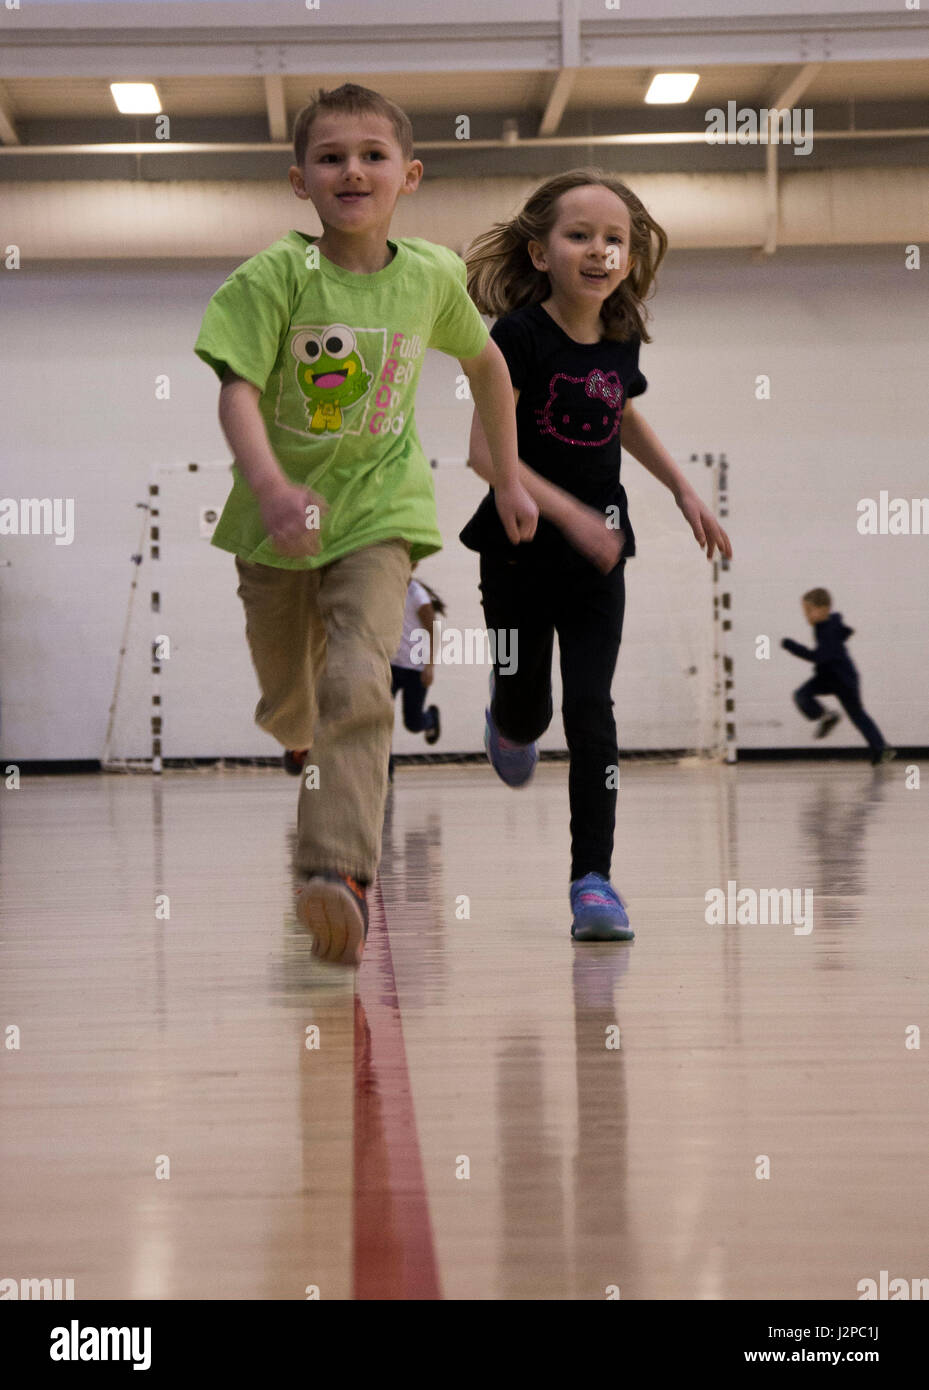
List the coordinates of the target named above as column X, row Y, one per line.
column 668, row 87
column 135, row 98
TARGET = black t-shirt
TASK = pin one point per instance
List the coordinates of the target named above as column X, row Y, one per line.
column 571, row 398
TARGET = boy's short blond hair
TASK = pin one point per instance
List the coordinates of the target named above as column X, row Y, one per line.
column 352, row 100
column 819, row 598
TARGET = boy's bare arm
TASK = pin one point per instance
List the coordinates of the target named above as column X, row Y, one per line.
column 283, row 504
column 246, row 435
column 491, row 389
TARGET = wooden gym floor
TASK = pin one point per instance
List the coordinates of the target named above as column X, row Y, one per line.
column 198, row 1109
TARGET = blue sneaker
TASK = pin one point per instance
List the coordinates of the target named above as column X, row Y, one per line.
column 514, row 763
column 599, row 911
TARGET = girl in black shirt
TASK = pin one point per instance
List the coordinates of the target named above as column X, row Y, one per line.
column 568, row 276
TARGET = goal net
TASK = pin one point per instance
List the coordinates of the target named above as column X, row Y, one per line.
column 184, row 691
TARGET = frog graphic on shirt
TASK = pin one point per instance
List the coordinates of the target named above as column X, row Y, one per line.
column 330, row 373
column 583, row 409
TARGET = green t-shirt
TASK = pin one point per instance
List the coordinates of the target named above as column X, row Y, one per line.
column 337, row 356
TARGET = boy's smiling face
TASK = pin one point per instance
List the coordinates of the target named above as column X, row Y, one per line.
column 353, row 172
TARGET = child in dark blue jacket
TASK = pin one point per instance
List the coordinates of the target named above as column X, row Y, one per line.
column 836, row 674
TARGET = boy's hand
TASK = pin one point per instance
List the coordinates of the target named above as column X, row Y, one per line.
column 285, row 515
column 517, row 511
column 427, row 674
column 704, row 525
column 587, row 531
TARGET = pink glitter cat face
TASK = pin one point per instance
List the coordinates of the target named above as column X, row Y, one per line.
column 583, row 410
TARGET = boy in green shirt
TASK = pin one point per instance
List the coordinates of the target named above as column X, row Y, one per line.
column 318, row 343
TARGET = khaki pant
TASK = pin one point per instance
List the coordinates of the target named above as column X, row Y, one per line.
column 321, row 643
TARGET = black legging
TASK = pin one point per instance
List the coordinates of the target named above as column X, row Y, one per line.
column 586, row 609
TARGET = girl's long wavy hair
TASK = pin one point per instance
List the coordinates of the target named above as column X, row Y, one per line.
column 501, row 276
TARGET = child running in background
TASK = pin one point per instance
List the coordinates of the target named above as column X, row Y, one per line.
column 408, row 671
column 319, row 343
column 568, row 276
column 836, row 674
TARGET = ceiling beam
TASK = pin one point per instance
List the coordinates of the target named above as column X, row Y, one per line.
column 518, row 42
column 8, row 132
column 277, row 109
column 795, row 88
column 681, row 137
column 781, row 100
column 569, row 62
column 557, row 101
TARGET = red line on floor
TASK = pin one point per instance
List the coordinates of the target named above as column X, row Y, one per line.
column 394, row 1254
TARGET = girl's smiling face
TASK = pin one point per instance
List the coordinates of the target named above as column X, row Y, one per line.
column 586, row 254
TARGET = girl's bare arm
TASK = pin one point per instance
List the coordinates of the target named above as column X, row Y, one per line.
column 641, row 441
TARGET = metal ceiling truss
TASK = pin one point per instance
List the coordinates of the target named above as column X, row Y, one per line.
column 520, row 43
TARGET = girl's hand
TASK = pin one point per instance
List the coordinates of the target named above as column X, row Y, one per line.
column 517, row 511
column 427, row 674
column 587, row 531
column 284, row 513
column 704, row 525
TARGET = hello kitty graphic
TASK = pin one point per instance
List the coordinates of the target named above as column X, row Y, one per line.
column 583, row 409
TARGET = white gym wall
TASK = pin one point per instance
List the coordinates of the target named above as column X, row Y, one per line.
column 840, row 332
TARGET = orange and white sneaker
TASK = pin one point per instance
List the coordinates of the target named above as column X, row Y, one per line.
column 333, row 909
